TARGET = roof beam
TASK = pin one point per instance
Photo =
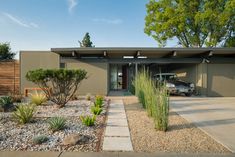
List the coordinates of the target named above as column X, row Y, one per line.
column 170, row 54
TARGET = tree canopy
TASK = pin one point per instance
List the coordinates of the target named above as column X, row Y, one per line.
column 195, row 23
column 86, row 41
column 5, row 52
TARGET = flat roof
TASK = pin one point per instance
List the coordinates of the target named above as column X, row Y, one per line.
column 145, row 51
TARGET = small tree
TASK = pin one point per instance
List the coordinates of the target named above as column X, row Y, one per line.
column 5, row 52
column 86, row 41
column 62, row 83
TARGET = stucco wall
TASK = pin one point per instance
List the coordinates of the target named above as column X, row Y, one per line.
column 97, row 81
column 30, row 60
column 221, row 80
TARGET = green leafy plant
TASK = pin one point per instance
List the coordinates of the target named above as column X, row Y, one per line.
column 59, row 85
column 88, row 120
column 38, row 98
column 40, row 139
column 24, row 113
column 5, row 103
column 96, row 110
column 99, row 101
column 56, row 123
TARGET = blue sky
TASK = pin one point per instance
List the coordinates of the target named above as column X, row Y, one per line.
column 43, row 24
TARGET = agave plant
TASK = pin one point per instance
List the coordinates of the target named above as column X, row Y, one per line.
column 24, row 113
column 38, row 98
column 56, row 123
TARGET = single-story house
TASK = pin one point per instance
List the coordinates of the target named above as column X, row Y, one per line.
column 111, row 69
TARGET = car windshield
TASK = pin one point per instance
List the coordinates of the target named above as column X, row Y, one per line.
column 166, row 77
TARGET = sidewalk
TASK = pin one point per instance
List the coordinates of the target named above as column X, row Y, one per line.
column 103, row 154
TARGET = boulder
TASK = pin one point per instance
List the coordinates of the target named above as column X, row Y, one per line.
column 74, row 139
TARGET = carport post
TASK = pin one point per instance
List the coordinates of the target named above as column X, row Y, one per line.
column 136, row 73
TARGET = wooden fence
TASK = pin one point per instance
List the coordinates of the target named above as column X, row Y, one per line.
column 9, row 77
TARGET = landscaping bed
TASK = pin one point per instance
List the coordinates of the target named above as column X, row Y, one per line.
column 181, row 136
column 16, row 136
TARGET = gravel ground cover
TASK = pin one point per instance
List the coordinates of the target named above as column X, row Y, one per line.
column 181, row 137
column 19, row 137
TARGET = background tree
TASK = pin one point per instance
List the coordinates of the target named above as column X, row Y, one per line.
column 5, row 51
column 195, row 23
column 63, row 83
column 86, row 41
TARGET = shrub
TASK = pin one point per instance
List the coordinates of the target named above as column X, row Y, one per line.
column 24, row 113
column 96, row 110
column 38, row 98
column 99, row 101
column 63, row 83
column 40, row 139
column 88, row 120
column 56, row 123
column 5, row 103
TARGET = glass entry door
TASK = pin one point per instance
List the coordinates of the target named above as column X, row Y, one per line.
column 117, row 76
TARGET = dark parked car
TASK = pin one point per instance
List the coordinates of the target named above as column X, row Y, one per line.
column 174, row 84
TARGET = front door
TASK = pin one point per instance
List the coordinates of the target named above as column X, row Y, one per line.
column 118, row 76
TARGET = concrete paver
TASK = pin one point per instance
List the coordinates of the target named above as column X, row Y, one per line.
column 117, row 131
column 215, row 116
column 117, row 122
column 117, row 144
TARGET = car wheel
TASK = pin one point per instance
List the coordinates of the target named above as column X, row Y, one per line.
column 188, row 94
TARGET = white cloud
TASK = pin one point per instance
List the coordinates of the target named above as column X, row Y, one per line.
column 72, row 4
column 20, row 22
column 34, row 25
column 108, row 21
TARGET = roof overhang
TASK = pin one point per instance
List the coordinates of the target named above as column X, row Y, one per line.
column 150, row 53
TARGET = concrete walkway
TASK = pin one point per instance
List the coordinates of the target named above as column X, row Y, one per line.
column 215, row 116
column 103, row 154
column 117, row 135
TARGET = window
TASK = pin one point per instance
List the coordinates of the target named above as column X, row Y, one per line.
column 62, row 65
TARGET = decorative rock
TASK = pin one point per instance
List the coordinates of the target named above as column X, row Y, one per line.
column 71, row 139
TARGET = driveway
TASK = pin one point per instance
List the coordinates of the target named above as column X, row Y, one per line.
column 213, row 115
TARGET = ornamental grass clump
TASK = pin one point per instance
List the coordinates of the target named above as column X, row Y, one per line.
column 161, row 114
column 154, row 98
column 24, row 113
column 56, row 123
column 88, row 120
column 38, row 98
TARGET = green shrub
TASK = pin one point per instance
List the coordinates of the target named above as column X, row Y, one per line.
column 88, row 120
column 96, row 110
column 56, row 123
column 40, row 139
column 59, row 85
column 99, row 101
column 24, row 113
column 5, row 103
column 38, row 98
